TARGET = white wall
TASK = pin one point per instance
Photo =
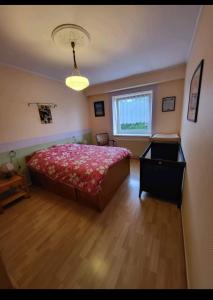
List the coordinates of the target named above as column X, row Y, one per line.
column 19, row 121
column 197, row 143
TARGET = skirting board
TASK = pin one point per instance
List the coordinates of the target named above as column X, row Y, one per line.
column 185, row 255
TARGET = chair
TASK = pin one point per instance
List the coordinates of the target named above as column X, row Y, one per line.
column 102, row 139
column 6, row 282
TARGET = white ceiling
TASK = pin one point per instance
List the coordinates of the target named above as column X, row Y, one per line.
column 125, row 39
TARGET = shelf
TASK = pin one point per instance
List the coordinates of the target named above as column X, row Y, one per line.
column 12, row 197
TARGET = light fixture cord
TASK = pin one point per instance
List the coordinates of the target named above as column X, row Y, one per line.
column 73, row 46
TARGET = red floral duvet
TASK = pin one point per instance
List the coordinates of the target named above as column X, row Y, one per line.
column 80, row 166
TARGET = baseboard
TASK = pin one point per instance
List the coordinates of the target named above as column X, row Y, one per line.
column 185, row 255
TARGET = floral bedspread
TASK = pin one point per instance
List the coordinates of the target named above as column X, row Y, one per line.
column 80, row 166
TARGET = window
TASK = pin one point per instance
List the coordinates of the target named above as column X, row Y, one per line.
column 132, row 114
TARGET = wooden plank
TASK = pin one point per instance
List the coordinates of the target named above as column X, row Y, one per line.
column 58, row 243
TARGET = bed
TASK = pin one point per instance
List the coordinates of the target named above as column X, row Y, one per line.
column 88, row 174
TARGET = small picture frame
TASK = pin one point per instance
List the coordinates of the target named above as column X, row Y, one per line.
column 99, row 108
column 168, row 104
column 194, row 93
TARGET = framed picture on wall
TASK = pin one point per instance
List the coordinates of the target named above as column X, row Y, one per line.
column 99, row 108
column 168, row 104
column 194, row 93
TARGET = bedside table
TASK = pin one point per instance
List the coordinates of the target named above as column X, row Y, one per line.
column 21, row 189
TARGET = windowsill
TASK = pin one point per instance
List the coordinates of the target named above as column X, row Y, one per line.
column 133, row 135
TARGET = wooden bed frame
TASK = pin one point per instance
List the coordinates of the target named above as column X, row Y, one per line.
column 113, row 179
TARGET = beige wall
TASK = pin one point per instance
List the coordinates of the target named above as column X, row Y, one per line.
column 18, row 121
column 168, row 122
column 163, row 122
column 197, row 143
column 163, row 75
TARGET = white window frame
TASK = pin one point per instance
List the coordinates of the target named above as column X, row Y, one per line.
column 115, row 117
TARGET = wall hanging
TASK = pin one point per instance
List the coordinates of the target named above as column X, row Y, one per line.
column 44, row 110
column 45, row 114
column 194, row 93
column 168, row 104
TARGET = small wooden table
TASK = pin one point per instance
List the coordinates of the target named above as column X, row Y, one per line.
column 21, row 189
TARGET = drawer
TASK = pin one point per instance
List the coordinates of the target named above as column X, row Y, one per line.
column 8, row 185
column 4, row 189
column 16, row 184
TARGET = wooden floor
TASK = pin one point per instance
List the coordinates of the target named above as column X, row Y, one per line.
column 51, row 242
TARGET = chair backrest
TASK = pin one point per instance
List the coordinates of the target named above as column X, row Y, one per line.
column 102, row 139
column 6, row 281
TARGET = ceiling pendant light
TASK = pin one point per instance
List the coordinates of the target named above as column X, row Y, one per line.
column 67, row 35
column 76, row 81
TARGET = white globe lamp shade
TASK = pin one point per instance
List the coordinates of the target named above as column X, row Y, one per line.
column 77, row 83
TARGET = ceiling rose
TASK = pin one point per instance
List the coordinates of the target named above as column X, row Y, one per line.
column 64, row 34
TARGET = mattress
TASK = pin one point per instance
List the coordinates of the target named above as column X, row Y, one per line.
column 158, row 137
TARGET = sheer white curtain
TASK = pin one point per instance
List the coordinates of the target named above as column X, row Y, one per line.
column 132, row 114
